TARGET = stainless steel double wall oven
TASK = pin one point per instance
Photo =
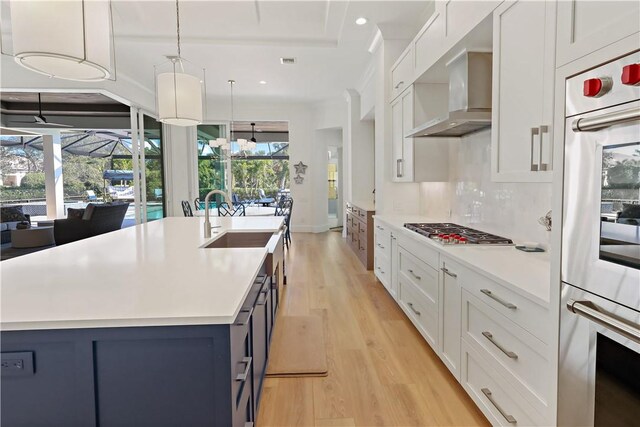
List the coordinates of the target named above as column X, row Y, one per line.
column 599, row 378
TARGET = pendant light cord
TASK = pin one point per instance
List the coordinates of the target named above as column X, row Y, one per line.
column 178, row 26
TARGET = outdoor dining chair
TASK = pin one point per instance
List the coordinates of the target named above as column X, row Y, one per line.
column 235, row 210
column 285, row 208
column 186, row 208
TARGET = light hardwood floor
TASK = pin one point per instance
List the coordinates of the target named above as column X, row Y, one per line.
column 381, row 371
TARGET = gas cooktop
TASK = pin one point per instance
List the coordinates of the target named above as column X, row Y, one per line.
column 453, row 234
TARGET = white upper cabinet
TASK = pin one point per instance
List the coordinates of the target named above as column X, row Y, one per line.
column 418, row 159
column 402, row 73
column 461, row 16
column 523, row 82
column 586, row 26
column 428, row 45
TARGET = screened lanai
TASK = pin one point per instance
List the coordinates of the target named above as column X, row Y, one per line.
column 89, row 159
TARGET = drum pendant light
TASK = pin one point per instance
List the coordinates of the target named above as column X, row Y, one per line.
column 69, row 39
column 179, row 95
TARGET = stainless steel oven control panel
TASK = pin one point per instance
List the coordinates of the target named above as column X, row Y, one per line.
column 614, row 83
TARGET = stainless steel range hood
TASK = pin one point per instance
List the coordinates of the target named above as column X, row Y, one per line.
column 469, row 98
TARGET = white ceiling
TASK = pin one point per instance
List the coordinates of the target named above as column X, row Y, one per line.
column 244, row 40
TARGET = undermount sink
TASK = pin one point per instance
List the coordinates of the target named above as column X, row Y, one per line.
column 235, row 239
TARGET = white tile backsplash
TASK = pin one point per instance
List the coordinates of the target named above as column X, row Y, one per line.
column 471, row 198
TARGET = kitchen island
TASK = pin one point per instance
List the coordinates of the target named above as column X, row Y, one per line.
column 142, row 326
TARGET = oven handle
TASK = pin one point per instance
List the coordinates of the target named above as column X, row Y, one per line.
column 591, row 312
column 605, row 120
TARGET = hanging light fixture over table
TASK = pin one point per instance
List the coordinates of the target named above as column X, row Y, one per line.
column 179, row 95
column 69, row 39
column 222, row 143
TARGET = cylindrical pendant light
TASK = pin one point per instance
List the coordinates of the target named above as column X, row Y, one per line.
column 179, row 95
column 68, row 39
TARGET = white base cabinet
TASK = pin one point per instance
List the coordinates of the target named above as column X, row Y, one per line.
column 492, row 338
column 419, row 294
column 500, row 403
column 382, row 255
column 449, row 348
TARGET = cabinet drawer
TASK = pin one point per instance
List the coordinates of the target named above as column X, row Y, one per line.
column 350, row 220
column 500, row 403
column 519, row 354
column 422, row 311
column 420, row 250
column 382, row 267
column 363, row 216
column 243, row 413
column 383, row 240
column 402, row 73
column 419, row 274
column 529, row 315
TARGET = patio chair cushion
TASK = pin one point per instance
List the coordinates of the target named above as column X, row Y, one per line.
column 97, row 219
column 630, row 211
column 75, row 213
column 12, row 214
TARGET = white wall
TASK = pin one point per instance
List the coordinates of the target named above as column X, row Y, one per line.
column 359, row 154
column 508, row 209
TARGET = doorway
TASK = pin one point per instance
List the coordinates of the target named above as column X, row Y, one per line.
column 334, row 186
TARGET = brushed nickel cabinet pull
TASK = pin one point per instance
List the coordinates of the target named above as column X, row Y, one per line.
column 413, row 309
column 446, row 271
column 248, row 312
column 490, row 294
column 488, row 335
column 510, row 419
column 380, row 246
column 400, row 83
column 543, row 130
column 243, row 376
column 414, row 275
column 534, row 132
column 398, row 164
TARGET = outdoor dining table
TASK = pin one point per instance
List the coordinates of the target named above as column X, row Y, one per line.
column 249, row 211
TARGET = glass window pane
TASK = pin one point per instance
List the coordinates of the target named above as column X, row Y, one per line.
column 620, row 205
column 22, row 173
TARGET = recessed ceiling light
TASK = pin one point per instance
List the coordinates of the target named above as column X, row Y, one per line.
column 361, row 21
column 263, row 82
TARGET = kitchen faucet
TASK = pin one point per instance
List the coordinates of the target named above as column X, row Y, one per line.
column 207, row 223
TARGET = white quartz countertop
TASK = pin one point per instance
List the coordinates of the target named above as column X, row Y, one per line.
column 155, row 274
column 528, row 273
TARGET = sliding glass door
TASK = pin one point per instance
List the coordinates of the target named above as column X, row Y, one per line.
column 212, row 165
column 147, row 165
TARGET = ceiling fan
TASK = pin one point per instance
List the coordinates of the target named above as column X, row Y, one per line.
column 40, row 119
